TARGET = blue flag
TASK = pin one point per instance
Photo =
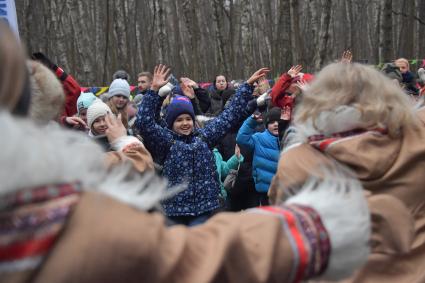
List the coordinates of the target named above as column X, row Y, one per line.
column 8, row 14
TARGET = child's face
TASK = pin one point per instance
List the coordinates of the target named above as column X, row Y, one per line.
column 99, row 126
column 273, row 128
column 293, row 89
column 404, row 68
column 83, row 114
column 183, row 124
column 120, row 101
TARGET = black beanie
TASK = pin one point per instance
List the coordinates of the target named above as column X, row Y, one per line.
column 272, row 115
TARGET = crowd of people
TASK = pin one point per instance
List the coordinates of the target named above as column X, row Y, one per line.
column 321, row 175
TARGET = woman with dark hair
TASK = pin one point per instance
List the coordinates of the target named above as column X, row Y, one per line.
column 220, row 92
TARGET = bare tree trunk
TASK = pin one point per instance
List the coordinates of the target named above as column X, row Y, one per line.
column 219, row 28
column 120, row 36
column 323, row 34
column 420, row 29
column 246, row 36
column 189, row 10
column 284, row 38
column 350, row 31
column 373, row 29
column 385, row 38
column 177, row 49
column 406, row 40
column 296, row 41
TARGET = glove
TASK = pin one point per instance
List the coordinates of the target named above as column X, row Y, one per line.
column 38, row 56
column 339, row 200
column 262, row 99
column 165, row 90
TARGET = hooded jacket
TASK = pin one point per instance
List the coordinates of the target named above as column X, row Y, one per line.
column 387, row 167
column 265, row 147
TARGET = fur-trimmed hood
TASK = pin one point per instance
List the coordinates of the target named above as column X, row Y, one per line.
column 47, row 96
column 34, row 156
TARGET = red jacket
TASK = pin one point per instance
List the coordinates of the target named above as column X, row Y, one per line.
column 72, row 91
column 280, row 98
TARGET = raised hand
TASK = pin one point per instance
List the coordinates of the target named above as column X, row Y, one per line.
column 347, row 57
column 263, row 85
column 293, row 72
column 76, row 123
column 237, row 151
column 261, row 73
column 116, row 128
column 187, row 90
column 189, row 82
column 160, row 77
column 302, row 85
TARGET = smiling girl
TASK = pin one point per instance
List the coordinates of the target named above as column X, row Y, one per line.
column 96, row 122
column 186, row 151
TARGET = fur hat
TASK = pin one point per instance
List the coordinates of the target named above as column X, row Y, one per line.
column 392, row 72
column 85, row 100
column 119, row 87
column 47, row 96
column 272, row 115
column 96, row 110
column 179, row 105
column 121, row 74
column 138, row 99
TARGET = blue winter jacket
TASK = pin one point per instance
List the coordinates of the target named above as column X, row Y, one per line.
column 265, row 147
column 190, row 159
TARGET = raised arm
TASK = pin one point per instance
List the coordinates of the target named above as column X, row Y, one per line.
column 204, row 100
column 246, row 132
column 158, row 139
column 282, row 84
column 232, row 162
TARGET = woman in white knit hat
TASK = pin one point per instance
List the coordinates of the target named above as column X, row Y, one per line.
column 118, row 98
column 96, row 121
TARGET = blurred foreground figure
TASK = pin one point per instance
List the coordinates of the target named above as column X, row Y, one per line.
column 355, row 115
column 66, row 217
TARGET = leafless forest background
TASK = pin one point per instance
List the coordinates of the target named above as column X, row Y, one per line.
column 200, row 38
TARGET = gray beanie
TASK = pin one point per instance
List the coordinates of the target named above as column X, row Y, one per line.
column 119, row 87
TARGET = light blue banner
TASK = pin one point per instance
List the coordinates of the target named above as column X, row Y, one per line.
column 8, row 13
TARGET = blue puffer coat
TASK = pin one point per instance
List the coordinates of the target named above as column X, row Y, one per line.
column 266, row 153
column 189, row 159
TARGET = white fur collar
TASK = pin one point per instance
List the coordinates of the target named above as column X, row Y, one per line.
column 33, row 156
column 342, row 118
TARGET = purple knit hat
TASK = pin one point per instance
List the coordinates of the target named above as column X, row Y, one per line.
column 179, row 105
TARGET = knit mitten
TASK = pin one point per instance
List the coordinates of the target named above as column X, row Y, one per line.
column 339, row 201
column 262, row 99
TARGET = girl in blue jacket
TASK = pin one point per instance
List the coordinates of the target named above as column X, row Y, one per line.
column 185, row 151
column 265, row 147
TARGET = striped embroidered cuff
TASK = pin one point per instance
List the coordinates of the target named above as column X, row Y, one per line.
column 31, row 223
column 308, row 237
